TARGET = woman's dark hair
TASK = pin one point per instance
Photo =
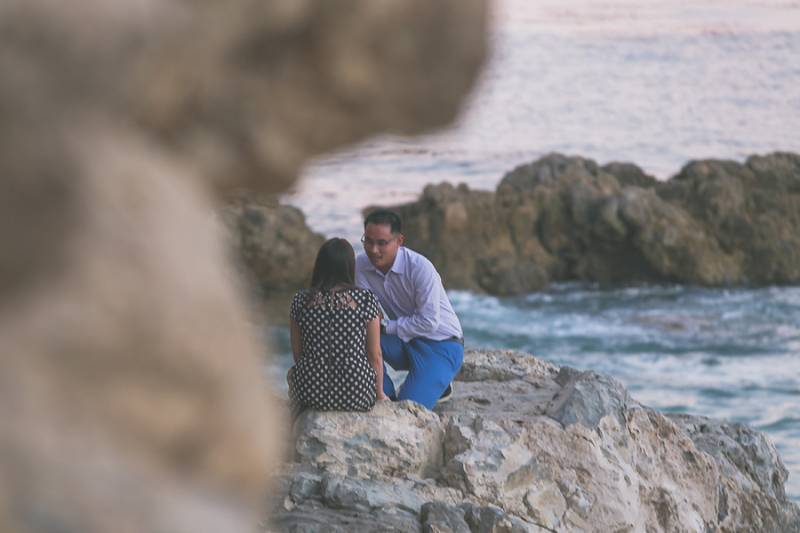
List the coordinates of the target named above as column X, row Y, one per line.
column 384, row 216
column 335, row 265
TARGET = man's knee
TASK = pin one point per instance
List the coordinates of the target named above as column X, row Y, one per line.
column 393, row 351
column 457, row 356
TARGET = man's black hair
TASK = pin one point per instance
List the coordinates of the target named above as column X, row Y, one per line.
column 384, row 216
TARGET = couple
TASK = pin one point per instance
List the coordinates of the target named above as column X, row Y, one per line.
column 385, row 305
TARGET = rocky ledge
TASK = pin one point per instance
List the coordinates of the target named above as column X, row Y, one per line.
column 569, row 219
column 715, row 223
column 527, row 446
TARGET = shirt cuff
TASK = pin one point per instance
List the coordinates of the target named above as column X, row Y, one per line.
column 391, row 327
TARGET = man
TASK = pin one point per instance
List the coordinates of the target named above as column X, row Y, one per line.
column 421, row 332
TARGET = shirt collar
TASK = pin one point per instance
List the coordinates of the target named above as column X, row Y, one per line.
column 399, row 265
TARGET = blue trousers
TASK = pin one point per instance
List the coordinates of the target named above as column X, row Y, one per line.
column 431, row 366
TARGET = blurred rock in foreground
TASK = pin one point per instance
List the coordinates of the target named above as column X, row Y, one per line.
column 132, row 396
column 525, row 446
column 569, row 219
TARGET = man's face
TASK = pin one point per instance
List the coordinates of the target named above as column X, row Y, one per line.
column 381, row 245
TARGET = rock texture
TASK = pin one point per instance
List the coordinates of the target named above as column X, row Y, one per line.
column 275, row 246
column 525, row 446
column 751, row 465
column 568, row 218
column 131, row 392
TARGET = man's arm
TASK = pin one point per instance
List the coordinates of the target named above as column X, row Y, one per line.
column 427, row 298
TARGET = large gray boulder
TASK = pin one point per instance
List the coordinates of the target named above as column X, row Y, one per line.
column 526, row 446
column 567, row 218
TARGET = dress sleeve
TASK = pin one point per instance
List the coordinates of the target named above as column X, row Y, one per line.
column 370, row 308
column 297, row 303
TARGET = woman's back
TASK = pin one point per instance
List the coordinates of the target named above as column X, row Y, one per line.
column 333, row 372
column 333, row 323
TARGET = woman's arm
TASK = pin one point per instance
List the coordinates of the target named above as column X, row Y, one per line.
column 374, row 354
column 297, row 342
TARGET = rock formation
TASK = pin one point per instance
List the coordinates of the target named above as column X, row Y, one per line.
column 526, row 446
column 131, row 393
column 567, row 218
column 275, row 246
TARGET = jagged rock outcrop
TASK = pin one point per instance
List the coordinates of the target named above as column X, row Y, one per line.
column 132, row 396
column 527, row 446
column 568, row 218
column 273, row 243
column 751, row 466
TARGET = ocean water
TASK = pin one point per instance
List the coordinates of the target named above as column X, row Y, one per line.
column 657, row 83
column 732, row 354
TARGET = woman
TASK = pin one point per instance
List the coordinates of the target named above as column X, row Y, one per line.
column 335, row 333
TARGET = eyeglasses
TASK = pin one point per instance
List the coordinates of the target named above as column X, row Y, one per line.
column 380, row 243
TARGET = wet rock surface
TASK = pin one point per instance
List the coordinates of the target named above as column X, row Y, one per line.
column 567, row 218
column 526, row 446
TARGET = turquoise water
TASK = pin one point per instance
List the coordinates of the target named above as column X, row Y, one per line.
column 655, row 82
column 729, row 354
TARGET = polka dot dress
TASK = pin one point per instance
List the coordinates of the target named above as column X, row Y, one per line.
column 333, row 373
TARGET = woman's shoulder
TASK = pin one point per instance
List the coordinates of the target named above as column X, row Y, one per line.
column 367, row 300
column 300, row 296
column 364, row 293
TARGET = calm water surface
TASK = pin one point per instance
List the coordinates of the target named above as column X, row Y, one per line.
column 656, row 83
